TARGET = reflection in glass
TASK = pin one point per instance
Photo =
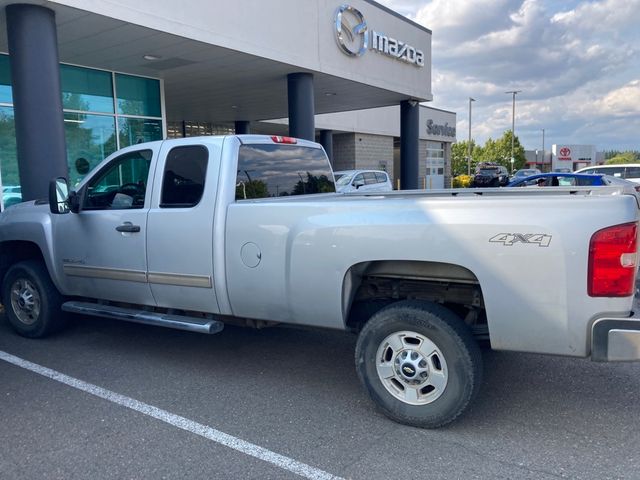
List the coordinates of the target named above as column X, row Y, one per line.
column 90, row 139
column 86, row 89
column 138, row 130
column 11, row 191
column 122, row 185
column 281, row 170
column 138, row 96
column 5, row 80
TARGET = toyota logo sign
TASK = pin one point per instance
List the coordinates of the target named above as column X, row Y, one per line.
column 351, row 31
column 565, row 152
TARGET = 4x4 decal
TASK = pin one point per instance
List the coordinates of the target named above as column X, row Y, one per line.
column 508, row 239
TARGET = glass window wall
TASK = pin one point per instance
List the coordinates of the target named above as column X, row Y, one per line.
column 138, row 130
column 138, row 96
column 5, row 80
column 8, row 159
column 86, row 89
column 90, row 139
column 103, row 111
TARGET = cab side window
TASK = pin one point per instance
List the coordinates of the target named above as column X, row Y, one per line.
column 184, row 175
column 370, row 178
column 381, row 177
column 122, row 184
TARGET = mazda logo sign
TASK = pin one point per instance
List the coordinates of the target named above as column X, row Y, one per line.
column 354, row 38
column 351, row 31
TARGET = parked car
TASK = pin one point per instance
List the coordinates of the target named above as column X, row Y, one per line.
column 563, row 170
column 525, row 172
column 557, row 179
column 362, row 181
column 630, row 171
column 491, row 175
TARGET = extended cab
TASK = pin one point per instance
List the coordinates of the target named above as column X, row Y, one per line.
column 199, row 232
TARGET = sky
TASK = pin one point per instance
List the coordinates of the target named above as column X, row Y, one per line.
column 576, row 62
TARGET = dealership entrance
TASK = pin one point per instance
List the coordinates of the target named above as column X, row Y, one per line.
column 93, row 77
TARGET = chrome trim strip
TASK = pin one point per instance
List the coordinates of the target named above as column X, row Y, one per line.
column 181, row 280
column 105, row 273
column 161, row 278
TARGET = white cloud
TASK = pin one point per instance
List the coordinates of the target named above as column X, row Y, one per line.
column 622, row 102
column 609, row 17
column 577, row 66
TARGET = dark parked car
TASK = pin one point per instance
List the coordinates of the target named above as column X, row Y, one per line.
column 490, row 175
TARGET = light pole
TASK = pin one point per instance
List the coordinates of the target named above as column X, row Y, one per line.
column 513, row 123
column 469, row 145
column 542, row 147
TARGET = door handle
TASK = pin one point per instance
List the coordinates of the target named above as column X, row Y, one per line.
column 128, row 227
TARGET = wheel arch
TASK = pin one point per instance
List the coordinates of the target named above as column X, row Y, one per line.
column 14, row 251
column 384, row 282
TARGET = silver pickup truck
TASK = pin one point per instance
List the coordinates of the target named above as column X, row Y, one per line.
column 200, row 232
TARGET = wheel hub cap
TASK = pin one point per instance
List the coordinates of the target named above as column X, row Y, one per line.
column 25, row 301
column 412, row 368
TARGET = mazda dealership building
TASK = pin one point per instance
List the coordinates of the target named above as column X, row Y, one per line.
column 79, row 79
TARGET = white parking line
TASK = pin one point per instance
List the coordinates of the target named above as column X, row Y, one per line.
column 183, row 423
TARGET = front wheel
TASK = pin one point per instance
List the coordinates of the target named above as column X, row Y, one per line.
column 419, row 363
column 31, row 300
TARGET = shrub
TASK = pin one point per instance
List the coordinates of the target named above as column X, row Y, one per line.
column 462, row 181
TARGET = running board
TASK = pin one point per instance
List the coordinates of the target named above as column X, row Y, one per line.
column 179, row 322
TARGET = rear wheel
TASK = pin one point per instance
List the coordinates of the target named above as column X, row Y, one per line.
column 419, row 363
column 32, row 302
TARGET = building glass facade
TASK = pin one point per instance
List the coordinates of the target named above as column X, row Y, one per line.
column 103, row 111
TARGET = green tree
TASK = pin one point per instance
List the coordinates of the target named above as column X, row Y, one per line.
column 609, row 154
column 499, row 151
column 459, row 153
column 251, row 189
column 625, row 157
column 314, row 184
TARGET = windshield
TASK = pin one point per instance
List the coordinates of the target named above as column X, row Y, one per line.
column 343, row 180
column 490, row 171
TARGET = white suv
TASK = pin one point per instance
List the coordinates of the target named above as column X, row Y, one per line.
column 362, row 181
column 628, row 171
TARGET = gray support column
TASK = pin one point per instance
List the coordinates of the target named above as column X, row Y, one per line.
column 242, row 127
column 326, row 140
column 301, row 106
column 37, row 98
column 409, row 134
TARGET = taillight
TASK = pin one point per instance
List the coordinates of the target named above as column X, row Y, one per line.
column 289, row 140
column 613, row 261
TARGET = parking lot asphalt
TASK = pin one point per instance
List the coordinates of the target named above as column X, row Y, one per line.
column 295, row 393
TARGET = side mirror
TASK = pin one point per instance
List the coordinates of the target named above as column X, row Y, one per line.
column 59, row 196
column 358, row 184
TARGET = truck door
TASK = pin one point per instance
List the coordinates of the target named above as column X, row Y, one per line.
column 180, row 227
column 102, row 248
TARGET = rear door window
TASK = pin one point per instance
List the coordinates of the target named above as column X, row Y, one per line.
column 613, row 171
column 381, row 177
column 184, row 174
column 266, row 170
column 632, row 172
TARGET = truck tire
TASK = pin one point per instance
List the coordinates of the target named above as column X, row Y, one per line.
column 419, row 363
column 31, row 300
